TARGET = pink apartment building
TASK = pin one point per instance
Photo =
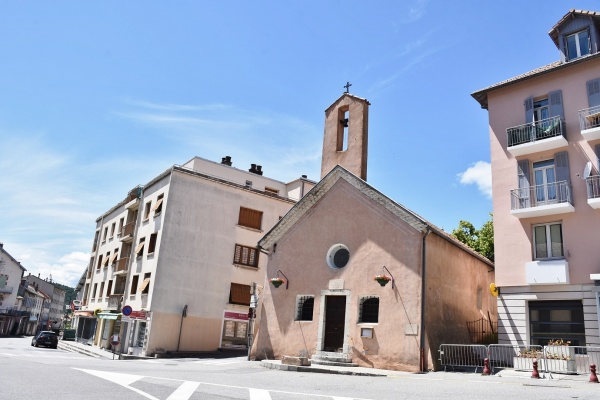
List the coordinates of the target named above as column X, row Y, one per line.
column 545, row 144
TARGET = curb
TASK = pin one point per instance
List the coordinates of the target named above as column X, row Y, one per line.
column 297, row 368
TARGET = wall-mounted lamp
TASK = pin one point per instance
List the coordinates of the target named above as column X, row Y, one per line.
column 278, row 281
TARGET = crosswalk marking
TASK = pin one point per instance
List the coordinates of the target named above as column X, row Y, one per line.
column 259, row 394
column 185, row 391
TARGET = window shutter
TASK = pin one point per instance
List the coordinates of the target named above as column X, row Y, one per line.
column 593, row 89
column 556, row 104
column 561, row 160
column 529, row 109
column 598, row 156
column 523, row 177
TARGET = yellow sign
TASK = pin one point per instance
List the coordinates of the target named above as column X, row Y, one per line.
column 97, row 311
column 494, row 290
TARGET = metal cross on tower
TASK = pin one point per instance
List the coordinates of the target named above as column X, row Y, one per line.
column 347, row 86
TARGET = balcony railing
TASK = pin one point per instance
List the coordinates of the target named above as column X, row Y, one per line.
column 127, row 231
column 115, row 301
column 593, row 191
column 133, row 194
column 536, row 136
column 589, row 122
column 122, row 264
column 540, row 200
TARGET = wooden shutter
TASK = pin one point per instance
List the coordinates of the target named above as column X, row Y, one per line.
column 529, row 109
column 593, row 90
column 523, row 177
column 250, row 218
column 598, row 156
column 556, row 104
column 239, row 294
column 561, row 162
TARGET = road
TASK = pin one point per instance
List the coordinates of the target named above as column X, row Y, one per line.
column 39, row 373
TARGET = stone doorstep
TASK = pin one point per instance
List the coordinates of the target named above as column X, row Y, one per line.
column 299, row 361
column 333, row 363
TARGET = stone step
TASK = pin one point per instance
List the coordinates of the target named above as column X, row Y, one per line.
column 341, row 363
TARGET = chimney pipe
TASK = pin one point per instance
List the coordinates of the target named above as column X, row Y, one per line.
column 226, row 160
column 304, row 176
column 259, row 170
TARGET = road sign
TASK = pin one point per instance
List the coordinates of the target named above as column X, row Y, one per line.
column 127, row 310
column 115, row 340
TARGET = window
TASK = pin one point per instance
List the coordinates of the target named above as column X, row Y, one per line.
column 338, row 256
column 553, row 320
column 269, row 190
column 152, row 243
column 95, row 290
column 106, row 260
column 145, row 286
column 245, row 255
column 112, row 229
column 101, row 291
column 545, row 182
column 305, row 308
column 139, row 250
column 147, row 211
column 99, row 261
column 121, row 223
column 134, row 284
column 158, row 206
column 96, row 237
column 577, row 44
column 105, row 234
column 114, row 257
column 250, row 218
column 109, row 288
column 369, row 309
column 239, row 294
column 548, row 241
column 541, row 110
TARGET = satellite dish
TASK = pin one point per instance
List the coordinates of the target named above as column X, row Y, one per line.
column 494, row 290
column 587, row 170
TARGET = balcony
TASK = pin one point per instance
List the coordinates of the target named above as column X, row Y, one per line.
column 133, row 198
column 589, row 123
column 127, row 232
column 115, row 301
column 541, row 200
column 547, row 272
column 547, row 134
column 593, row 191
column 122, row 265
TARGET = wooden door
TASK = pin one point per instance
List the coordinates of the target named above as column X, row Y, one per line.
column 335, row 319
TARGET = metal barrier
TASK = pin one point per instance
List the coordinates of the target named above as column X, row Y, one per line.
column 463, row 356
column 519, row 357
column 557, row 359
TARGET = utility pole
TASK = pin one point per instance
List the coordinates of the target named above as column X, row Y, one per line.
column 251, row 316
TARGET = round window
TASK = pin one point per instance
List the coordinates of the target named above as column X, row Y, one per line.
column 338, row 256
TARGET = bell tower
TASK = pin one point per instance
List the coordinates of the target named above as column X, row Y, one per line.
column 346, row 135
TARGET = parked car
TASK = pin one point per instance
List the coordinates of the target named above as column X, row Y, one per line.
column 45, row 338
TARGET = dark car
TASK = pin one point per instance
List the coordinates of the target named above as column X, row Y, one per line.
column 45, row 338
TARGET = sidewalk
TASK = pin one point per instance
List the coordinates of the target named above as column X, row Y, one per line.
column 88, row 350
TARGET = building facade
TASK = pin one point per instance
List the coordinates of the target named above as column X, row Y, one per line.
column 328, row 252
column 172, row 264
column 544, row 145
column 11, row 273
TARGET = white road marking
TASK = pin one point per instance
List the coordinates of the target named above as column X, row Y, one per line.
column 8, row 354
column 185, row 391
column 259, row 394
column 120, row 379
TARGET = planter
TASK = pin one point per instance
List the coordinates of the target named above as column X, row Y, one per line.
column 560, row 352
column 567, row 366
column 526, row 364
column 382, row 282
column 277, row 283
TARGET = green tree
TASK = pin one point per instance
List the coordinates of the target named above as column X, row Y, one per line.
column 480, row 240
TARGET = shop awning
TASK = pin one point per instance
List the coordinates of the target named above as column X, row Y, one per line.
column 83, row 314
column 108, row 315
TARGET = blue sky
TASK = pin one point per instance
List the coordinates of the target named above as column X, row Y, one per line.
column 97, row 97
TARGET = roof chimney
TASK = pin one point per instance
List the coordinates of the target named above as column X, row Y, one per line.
column 259, row 169
column 226, row 160
column 304, row 176
column 256, row 169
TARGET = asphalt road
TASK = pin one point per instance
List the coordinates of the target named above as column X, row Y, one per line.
column 39, row 373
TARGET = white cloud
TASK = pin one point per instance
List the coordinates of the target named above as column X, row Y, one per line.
column 416, row 11
column 479, row 174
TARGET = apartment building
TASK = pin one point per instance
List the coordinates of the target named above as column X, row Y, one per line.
column 172, row 264
column 545, row 144
column 11, row 273
column 53, row 310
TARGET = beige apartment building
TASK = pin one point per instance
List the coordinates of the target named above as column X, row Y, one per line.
column 172, row 264
column 545, row 143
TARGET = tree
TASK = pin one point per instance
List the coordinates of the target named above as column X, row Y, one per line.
column 480, row 240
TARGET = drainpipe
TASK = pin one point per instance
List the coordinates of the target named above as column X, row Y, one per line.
column 423, row 288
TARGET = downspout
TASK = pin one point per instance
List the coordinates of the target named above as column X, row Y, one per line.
column 423, row 288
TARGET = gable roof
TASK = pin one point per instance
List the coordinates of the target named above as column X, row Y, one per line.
column 315, row 194
column 344, row 95
column 11, row 257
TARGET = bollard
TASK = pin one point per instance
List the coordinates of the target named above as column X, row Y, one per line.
column 593, row 376
column 535, row 374
column 486, row 366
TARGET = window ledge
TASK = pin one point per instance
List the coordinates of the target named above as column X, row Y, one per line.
column 367, row 324
column 250, row 229
column 303, row 320
column 245, row 266
column 145, row 220
column 157, row 214
column 150, row 255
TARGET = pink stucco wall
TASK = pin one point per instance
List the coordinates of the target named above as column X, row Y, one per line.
column 513, row 236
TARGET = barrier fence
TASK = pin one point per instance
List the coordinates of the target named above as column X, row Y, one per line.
column 558, row 359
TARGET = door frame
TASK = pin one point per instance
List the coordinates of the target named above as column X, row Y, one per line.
column 322, row 316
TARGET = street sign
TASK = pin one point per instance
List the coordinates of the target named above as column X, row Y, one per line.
column 127, row 310
column 115, row 340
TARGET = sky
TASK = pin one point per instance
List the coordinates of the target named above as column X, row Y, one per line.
column 98, row 97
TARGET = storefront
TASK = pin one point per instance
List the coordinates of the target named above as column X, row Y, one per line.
column 235, row 330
